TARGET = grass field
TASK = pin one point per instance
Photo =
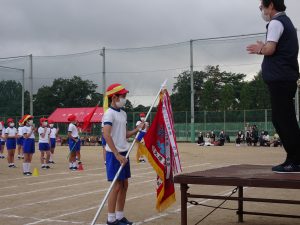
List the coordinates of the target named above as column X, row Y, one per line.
column 59, row 196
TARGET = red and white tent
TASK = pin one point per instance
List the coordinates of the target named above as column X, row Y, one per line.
column 60, row 115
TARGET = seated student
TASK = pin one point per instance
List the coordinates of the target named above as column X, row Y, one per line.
column 200, row 141
column 239, row 138
column 276, row 140
column 254, row 135
column 248, row 137
column 221, row 140
column 207, row 140
column 264, row 139
column 212, row 137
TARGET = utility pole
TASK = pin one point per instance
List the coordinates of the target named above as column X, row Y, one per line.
column 31, row 84
column 192, row 93
column 103, row 73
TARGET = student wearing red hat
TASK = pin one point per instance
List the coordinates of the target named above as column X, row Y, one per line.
column 11, row 141
column 20, row 140
column 115, row 133
column 74, row 142
column 2, row 139
column 53, row 135
column 139, row 156
column 44, row 147
column 28, row 143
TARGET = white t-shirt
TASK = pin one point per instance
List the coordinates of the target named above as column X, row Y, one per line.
column 2, row 134
column 275, row 30
column 1, row 127
column 42, row 131
column 11, row 131
column 117, row 119
column 138, row 123
column 53, row 132
column 20, row 131
column 73, row 129
column 27, row 130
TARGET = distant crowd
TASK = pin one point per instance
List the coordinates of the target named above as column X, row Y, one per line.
column 250, row 137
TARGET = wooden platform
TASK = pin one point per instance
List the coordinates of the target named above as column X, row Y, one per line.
column 240, row 176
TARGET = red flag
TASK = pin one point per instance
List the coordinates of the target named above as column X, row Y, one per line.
column 86, row 126
column 160, row 148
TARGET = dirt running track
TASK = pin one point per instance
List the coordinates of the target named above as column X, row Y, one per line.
column 59, row 196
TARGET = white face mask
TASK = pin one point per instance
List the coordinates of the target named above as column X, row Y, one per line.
column 265, row 17
column 12, row 124
column 30, row 122
column 121, row 103
column 45, row 123
column 143, row 119
column 51, row 125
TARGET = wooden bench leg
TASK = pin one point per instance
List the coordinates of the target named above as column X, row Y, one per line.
column 184, row 188
column 241, row 205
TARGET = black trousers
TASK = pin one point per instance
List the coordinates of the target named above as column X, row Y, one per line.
column 284, row 118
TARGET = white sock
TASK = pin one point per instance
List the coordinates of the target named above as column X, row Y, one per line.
column 24, row 167
column 70, row 165
column 28, row 167
column 74, row 164
column 119, row 215
column 111, row 217
column 51, row 159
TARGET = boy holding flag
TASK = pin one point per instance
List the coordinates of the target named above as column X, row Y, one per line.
column 115, row 133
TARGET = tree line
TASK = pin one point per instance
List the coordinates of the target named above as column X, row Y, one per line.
column 215, row 90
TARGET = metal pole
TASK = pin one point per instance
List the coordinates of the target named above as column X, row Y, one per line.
column 192, row 94
column 127, row 155
column 23, row 90
column 31, row 84
column 103, row 72
column 266, row 119
column 224, row 120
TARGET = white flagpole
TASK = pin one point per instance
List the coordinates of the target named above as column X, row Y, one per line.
column 127, row 155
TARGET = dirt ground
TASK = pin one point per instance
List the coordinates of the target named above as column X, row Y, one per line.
column 59, row 196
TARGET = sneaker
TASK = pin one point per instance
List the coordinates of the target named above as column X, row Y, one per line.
column 19, row 157
column 124, row 221
column 74, row 168
column 47, row 167
column 113, row 223
column 51, row 162
column 27, row 174
column 286, row 168
column 43, row 167
column 10, row 166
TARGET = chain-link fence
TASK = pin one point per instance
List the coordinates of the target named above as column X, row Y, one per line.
column 206, row 121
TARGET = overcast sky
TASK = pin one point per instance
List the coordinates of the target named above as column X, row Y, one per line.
column 54, row 27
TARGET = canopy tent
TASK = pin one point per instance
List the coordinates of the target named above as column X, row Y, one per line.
column 60, row 115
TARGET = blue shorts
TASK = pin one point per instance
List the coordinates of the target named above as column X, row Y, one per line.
column 113, row 165
column 141, row 135
column 28, row 145
column 20, row 141
column 11, row 143
column 103, row 142
column 44, row 146
column 74, row 147
column 52, row 142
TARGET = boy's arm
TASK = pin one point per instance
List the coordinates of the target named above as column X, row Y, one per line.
column 134, row 131
column 111, row 144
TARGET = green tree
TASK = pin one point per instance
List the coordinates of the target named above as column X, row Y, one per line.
column 246, row 97
column 11, row 98
column 227, row 97
column 260, row 93
column 73, row 92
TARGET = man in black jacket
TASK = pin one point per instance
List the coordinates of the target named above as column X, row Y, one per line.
column 280, row 71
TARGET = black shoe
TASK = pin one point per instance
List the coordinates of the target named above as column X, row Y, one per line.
column 79, row 162
column 74, row 168
column 10, row 166
column 113, row 223
column 124, row 221
column 47, row 167
column 43, row 167
column 13, row 166
column 27, row 174
column 51, row 162
column 286, row 168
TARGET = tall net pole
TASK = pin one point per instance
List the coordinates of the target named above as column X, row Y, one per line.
column 192, row 93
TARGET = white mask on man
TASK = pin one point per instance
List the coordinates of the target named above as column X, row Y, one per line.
column 30, row 122
column 143, row 119
column 51, row 125
column 12, row 124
